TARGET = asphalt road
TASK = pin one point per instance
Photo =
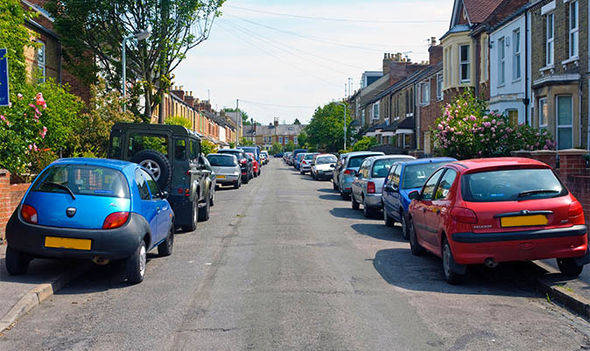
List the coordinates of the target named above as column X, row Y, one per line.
column 285, row 264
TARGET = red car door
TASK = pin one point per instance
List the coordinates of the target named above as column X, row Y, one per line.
column 439, row 209
column 422, row 220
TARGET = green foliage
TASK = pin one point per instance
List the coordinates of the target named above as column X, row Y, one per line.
column 276, row 148
column 302, row 139
column 208, row 147
column 296, row 122
column 290, row 146
column 325, row 129
column 180, row 121
column 468, row 130
column 246, row 142
column 232, row 145
column 364, row 144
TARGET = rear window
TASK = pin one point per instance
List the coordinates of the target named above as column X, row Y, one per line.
column 355, row 162
column 325, row 160
column 309, row 157
column 83, row 180
column 416, row 175
column 221, row 161
column 140, row 142
column 381, row 167
column 511, row 185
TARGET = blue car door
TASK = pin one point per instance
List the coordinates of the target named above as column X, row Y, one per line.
column 163, row 210
column 149, row 208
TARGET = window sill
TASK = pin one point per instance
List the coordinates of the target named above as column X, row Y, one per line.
column 573, row 59
column 546, row 68
column 501, row 85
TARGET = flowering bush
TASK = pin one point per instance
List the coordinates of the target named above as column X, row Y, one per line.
column 467, row 130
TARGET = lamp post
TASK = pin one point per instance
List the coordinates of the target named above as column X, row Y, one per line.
column 138, row 36
column 343, row 122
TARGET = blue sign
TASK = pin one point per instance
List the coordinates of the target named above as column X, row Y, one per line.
column 4, row 92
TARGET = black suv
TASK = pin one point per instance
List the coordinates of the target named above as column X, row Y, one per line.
column 172, row 154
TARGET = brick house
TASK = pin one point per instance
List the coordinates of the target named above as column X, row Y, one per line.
column 559, row 68
column 267, row 135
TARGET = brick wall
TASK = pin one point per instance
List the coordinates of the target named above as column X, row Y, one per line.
column 10, row 196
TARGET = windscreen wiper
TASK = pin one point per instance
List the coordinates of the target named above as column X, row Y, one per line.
column 61, row 186
column 538, row 191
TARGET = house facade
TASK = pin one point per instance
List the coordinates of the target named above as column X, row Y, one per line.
column 267, row 135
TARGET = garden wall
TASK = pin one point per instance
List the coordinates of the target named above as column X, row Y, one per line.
column 10, row 196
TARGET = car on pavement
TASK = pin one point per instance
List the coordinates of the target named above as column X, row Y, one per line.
column 172, row 154
column 346, row 171
column 244, row 161
column 227, row 169
column 403, row 178
column 265, row 157
column 286, row 156
column 323, row 166
column 294, row 157
column 254, row 150
column 305, row 164
column 98, row 209
column 297, row 160
column 337, row 169
column 278, row 155
column 255, row 164
column 368, row 182
column 488, row 211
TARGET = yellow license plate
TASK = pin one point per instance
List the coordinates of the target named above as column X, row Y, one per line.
column 67, row 243
column 221, row 176
column 522, row 221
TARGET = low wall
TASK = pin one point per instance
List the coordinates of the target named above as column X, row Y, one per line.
column 10, row 196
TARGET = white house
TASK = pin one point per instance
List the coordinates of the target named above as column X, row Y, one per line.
column 510, row 87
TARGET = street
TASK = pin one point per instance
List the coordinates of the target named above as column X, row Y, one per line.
column 285, row 264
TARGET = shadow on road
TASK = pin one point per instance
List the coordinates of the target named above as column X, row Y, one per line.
column 334, row 197
column 326, row 190
column 347, row 213
column 398, row 267
column 379, row 231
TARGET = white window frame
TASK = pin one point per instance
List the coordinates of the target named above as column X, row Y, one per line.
column 466, row 63
column 295, row 141
column 574, row 29
column 425, row 93
column 563, row 126
column 501, row 61
column 375, row 111
column 281, row 140
column 550, row 39
column 42, row 60
column 516, row 67
column 543, row 102
column 439, row 87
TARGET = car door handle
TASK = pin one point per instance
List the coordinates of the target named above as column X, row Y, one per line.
column 424, row 209
column 158, row 209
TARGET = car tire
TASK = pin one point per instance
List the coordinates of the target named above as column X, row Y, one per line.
column 204, row 212
column 165, row 248
column 157, row 164
column 568, row 267
column 237, row 184
column 301, row 172
column 355, row 204
column 405, row 229
column 194, row 217
column 212, row 200
column 136, row 263
column 448, row 261
column 388, row 220
column 368, row 211
column 415, row 247
column 17, row 263
column 334, row 185
column 343, row 194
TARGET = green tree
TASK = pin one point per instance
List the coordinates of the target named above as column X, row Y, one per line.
column 296, row 122
column 180, row 121
column 208, row 147
column 302, row 139
column 325, row 128
column 246, row 142
column 92, row 31
column 364, row 144
column 276, row 148
column 290, row 146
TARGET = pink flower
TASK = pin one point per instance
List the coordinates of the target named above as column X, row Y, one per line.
column 472, row 117
column 30, row 147
column 40, row 100
column 43, row 132
column 19, row 96
column 440, row 127
column 487, row 124
column 2, row 117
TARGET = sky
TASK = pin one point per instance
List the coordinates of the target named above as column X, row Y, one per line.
column 285, row 58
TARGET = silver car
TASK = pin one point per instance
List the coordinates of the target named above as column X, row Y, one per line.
column 368, row 184
column 323, row 166
column 226, row 168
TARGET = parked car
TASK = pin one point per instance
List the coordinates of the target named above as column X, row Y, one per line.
column 227, row 169
column 487, row 211
column 403, row 178
column 297, row 160
column 279, row 155
column 172, row 154
column 286, row 157
column 255, row 164
column 323, row 166
column 294, row 156
column 254, row 150
column 348, row 168
column 305, row 164
column 265, row 157
column 96, row 209
column 245, row 163
column 368, row 182
column 337, row 169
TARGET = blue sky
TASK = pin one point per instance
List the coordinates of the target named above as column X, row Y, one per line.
column 280, row 63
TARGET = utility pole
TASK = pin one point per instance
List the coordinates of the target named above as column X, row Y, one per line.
column 349, row 86
column 165, row 6
column 238, row 122
column 344, row 122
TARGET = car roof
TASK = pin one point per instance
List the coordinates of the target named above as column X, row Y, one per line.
column 361, row 153
column 222, row 154
column 385, row 157
column 176, row 129
column 427, row 160
column 105, row 162
column 480, row 164
column 230, row 150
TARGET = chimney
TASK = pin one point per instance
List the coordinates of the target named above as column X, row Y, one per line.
column 387, row 59
column 276, row 122
column 178, row 92
column 435, row 52
column 432, row 41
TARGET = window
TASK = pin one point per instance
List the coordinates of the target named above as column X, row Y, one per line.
column 41, row 58
column 142, row 186
column 281, row 140
column 425, row 93
column 501, row 61
column 446, row 182
column 549, row 45
column 154, row 190
column 516, row 55
column 180, row 149
column 465, row 63
column 543, row 113
column 439, row 87
column 565, row 128
column 376, row 110
column 195, row 150
column 428, row 190
column 573, row 29
column 394, row 176
column 512, row 116
column 295, row 141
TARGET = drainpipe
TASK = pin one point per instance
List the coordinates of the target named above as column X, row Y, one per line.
column 526, row 101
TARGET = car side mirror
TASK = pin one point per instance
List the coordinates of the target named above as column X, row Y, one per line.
column 414, row 195
column 164, row 194
column 388, row 188
column 332, row 166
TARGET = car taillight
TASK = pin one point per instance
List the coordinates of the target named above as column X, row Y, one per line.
column 464, row 215
column 575, row 213
column 29, row 214
column 243, row 161
column 370, row 188
column 115, row 220
column 349, row 172
column 304, row 162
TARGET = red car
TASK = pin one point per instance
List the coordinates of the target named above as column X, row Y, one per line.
column 487, row 211
column 255, row 165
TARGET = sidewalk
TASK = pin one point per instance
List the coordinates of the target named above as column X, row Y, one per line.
column 19, row 294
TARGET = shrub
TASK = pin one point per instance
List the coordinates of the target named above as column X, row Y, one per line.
column 364, row 144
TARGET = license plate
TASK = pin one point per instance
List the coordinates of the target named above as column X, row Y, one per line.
column 522, row 221
column 221, row 177
column 67, row 243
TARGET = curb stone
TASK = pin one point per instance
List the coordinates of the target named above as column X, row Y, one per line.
column 38, row 294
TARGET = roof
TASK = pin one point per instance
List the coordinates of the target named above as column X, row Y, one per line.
column 411, row 79
column 105, row 162
column 281, row 129
column 485, row 163
column 479, row 10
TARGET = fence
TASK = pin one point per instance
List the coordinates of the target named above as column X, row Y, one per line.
column 10, row 196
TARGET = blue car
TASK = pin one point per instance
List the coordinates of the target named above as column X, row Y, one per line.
column 403, row 178
column 96, row 209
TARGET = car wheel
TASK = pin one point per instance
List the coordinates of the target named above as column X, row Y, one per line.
column 448, row 261
column 157, row 164
column 237, row 184
column 355, row 204
column 405, row 230
column 212, row 200
column 17, row 263
column 367, row 211
column 246, row 180
column 568, row 267
column 135, row 264
column 343, row 194
column 388, row 220
column 165, row 247
column 415, row 247
column 194, row 219
column 334, row 185
column 204, row 212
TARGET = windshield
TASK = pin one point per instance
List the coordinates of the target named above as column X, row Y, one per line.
column 83, row 180
column 511, row 185
column 309, row 157
column 415, row 175
column 222, row 161
column 325, row 160
column 381, row 167
column 355, row 162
